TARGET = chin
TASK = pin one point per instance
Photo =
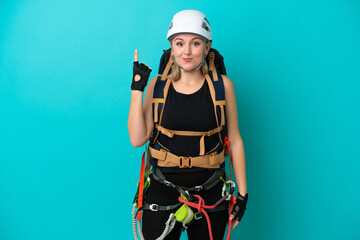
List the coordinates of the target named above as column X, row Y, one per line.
column 189, row 67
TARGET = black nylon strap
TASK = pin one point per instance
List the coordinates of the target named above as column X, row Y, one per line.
column 210, row 183
column 154, row 207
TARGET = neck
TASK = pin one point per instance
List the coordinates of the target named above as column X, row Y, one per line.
column 191, row 77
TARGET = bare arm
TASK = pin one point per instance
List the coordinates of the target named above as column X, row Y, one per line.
column 140, row 120
column 236, row 143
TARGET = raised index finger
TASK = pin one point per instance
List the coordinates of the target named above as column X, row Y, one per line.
column 136, row 57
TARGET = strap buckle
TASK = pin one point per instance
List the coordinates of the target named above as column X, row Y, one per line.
column 198, row 215
column 198, row 188
column 167, row 183
column 154, row 207
column 185, row 162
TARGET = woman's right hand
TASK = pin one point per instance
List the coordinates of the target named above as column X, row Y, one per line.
column 141, row 73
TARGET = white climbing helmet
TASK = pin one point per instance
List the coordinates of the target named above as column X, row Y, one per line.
column 190, row 21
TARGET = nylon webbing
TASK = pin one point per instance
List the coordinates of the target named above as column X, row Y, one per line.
column 155, row 207
column 168, row 159
column 210, row 183
column 167, row 68
column 213, row 97
column 171, row 133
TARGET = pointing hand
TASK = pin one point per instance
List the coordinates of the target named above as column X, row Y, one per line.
column 141, row 73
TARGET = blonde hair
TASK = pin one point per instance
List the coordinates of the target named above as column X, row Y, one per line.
column 176, row 72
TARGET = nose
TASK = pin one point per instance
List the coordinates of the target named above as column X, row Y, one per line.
column 187, row 50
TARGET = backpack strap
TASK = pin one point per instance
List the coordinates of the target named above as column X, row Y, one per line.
column 212, row 67
column 167, row 68
column 218, row 97
column 159, row 99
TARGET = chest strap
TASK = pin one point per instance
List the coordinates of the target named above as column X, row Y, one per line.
column 167, row 159
column 171, row 133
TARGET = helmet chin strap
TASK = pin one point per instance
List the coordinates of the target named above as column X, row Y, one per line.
column 196, row 68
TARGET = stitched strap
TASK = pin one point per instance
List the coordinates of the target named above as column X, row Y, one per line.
column 171, row 133
column 212, row 67
column 167, row 159
column 213, row 97
column 221, row 104
column 166, row 90
column 222, row 115
column 167, row 68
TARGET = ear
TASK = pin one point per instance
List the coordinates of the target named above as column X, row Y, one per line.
column 207, row 47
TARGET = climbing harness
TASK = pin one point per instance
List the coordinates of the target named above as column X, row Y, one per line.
column 184, row 212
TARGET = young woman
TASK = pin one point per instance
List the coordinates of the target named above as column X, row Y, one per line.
column 188, row 108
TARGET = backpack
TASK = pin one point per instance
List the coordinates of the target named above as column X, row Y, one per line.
column 161, row 156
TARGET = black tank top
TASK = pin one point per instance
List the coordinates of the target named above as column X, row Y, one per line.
column 188, row 112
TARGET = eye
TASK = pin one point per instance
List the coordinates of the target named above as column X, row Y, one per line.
column 179, row 44
column 196, row 44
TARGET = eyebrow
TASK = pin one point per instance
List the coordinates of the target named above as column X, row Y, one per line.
column 177, row 38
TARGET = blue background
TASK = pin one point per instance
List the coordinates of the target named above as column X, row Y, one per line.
column 67, row 168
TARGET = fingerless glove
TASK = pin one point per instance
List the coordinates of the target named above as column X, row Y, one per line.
column 240, row 206
column 144, row 72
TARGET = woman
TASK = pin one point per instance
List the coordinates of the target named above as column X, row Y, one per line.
column 189, row 108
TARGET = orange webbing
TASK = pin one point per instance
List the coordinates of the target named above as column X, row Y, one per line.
column 171, row 133
column 213, row 97
column 167, row 159
column 222, row 115
column 141, row 186
column 212, row 67
column 166, row 90
column 156, row 112
column 167, row 68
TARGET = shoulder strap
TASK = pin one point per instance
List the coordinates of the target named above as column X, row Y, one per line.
column 217, row 92
column 161, row 90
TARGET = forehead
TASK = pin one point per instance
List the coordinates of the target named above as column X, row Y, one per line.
column 187, row 37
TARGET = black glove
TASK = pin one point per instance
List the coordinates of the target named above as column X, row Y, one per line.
column 239, row 207
column 144, row 72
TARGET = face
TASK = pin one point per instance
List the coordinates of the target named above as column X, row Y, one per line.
column 188, row 50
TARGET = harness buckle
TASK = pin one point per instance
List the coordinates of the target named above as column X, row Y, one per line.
column 198, row 215
column 167, row 183
column 198, row 188
column 154, row 207
column 185, row 162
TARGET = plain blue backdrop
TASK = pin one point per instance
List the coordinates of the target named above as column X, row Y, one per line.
column 67, row 168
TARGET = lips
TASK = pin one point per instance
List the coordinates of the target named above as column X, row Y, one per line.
column 187, row 59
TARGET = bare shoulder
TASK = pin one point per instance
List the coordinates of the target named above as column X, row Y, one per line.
column 152, row 82
column 150, row 90
column 150, row 87
column 228, row 84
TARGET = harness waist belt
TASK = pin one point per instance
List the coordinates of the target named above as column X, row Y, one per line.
column 167, row 159
column 210, row 183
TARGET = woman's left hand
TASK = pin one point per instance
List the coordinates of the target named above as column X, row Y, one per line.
column 238, row 210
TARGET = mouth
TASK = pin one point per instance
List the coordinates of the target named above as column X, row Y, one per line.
column 187, row 59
